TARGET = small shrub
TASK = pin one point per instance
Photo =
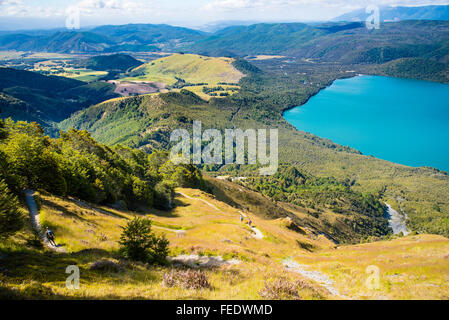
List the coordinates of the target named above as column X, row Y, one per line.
column 187, row 279
column 139, row 243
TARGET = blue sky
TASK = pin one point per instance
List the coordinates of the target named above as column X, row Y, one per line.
column 51, row 13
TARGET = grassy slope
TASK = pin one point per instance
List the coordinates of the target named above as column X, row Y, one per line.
column 189, row 67
column 89, row 236
column 414, row 267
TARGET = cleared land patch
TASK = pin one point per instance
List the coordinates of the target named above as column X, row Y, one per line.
column 191, row 72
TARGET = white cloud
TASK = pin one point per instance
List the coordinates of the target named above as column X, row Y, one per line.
column 114, row 6
column 18, row 8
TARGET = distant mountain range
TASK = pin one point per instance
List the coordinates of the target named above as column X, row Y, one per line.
column 437, row 12
column 332, row 42
column 260, row 38
column 104, row 39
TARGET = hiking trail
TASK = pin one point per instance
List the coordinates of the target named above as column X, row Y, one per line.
column 34, row 215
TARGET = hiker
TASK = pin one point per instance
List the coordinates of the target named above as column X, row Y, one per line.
column 50, row 236
column 241, row 218
column 250, row 222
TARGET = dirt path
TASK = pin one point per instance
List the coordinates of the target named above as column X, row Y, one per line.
column 34, row 215
column 257, row 234
column 88, row 206
column 198, row 199
column 179, row 233
column 316, row 276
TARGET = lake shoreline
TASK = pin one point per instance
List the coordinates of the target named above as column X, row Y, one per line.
column 340, row 119
column 318, row 92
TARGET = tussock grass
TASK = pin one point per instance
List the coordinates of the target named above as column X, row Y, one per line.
column 413, row 267
column 79, row 230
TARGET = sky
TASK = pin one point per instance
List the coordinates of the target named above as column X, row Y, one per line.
column 29, row 14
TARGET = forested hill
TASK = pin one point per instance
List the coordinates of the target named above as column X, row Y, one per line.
column 114, row 62
column 31, row 96
column 76, row 165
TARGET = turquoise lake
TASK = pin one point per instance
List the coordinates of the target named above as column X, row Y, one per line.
column 399, row 120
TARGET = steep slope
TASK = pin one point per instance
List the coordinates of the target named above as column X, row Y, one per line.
column 413, row 267
column 146, row 121
column 406, row 39
column 34, row 97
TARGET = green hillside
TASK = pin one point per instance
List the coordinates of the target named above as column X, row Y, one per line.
column 416, row 68
column 257, row 39
column 46, row 99
column 346, row 43
column 114, row 62
column 190, row 68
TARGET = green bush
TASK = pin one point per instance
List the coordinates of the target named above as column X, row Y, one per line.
column 139, row 243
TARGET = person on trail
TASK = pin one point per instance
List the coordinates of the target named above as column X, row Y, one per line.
column 50, row 236
column 250, row 222
column 241, row 218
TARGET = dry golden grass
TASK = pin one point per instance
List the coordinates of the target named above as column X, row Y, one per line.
column 89, row 235
column 190, row 67
column 411, row 268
